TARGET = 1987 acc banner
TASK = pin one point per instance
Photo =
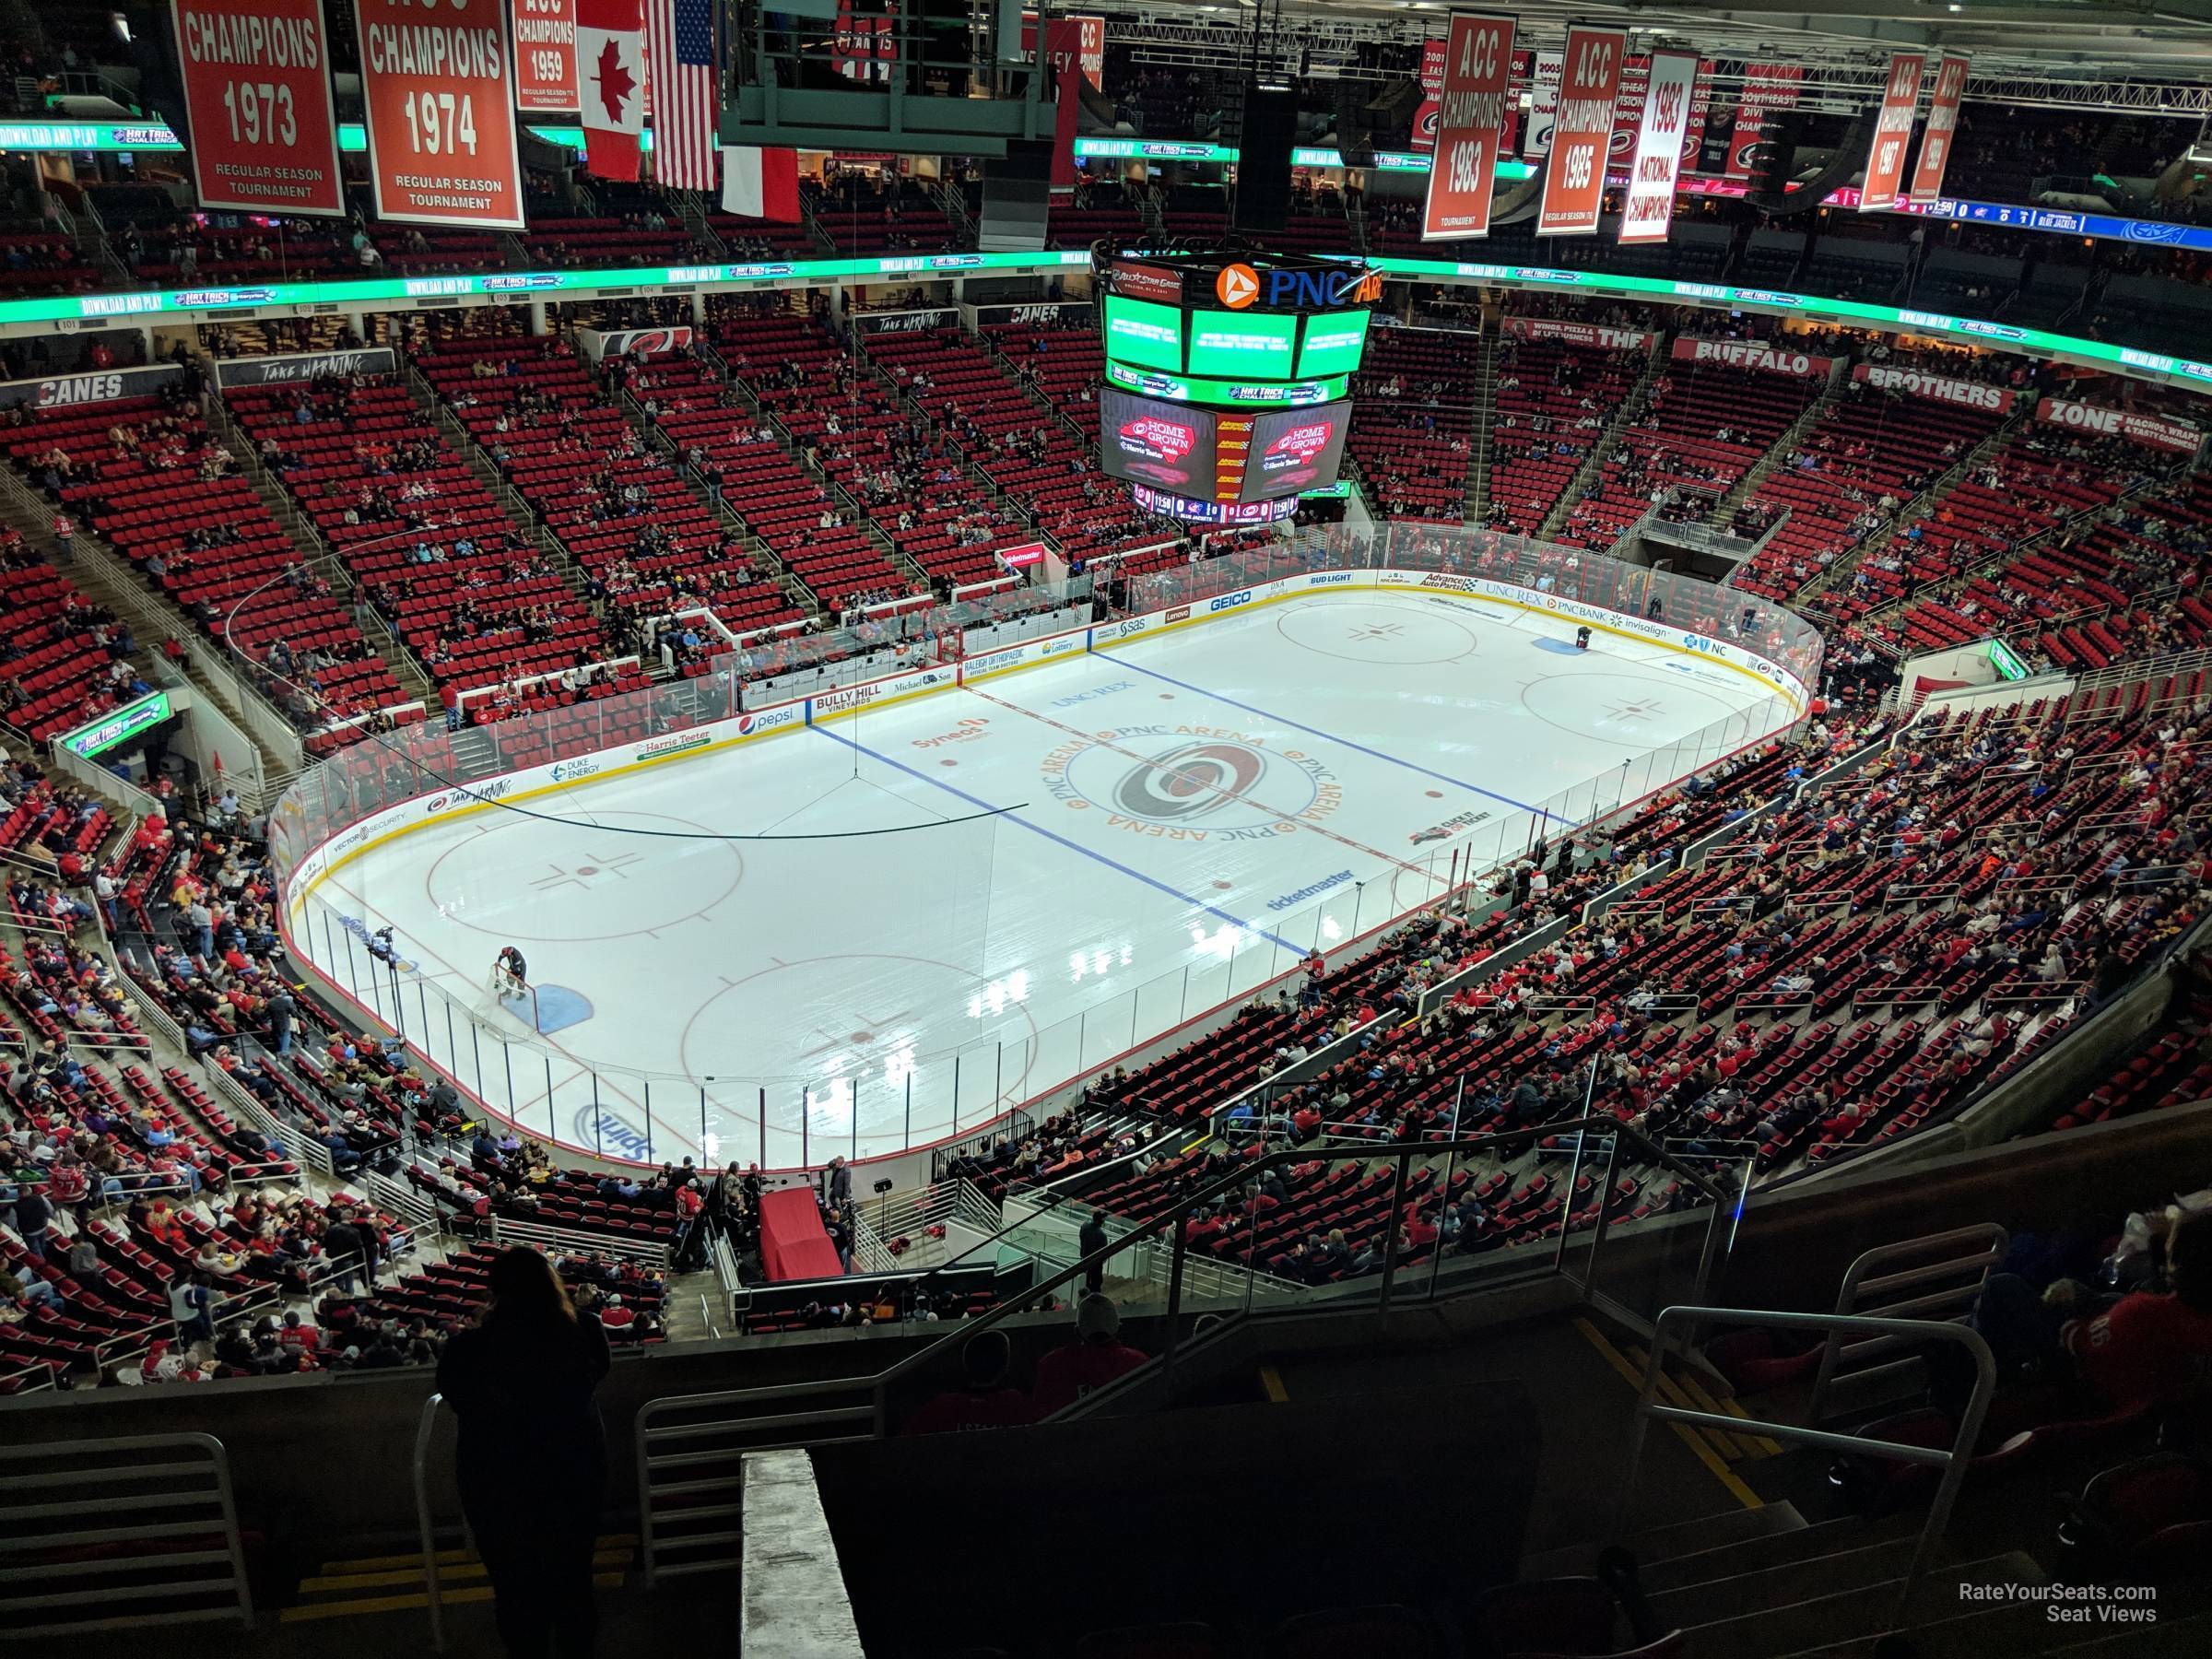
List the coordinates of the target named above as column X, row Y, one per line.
column 257, row 100
column 437, row 86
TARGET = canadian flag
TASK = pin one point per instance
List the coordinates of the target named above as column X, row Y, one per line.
column 760, row 183
column 610, row 69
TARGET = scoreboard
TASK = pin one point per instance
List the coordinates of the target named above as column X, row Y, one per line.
column 1229, row 377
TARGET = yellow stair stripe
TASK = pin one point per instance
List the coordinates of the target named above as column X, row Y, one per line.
column 1271, row 1379
column 1698, row 1449
column 1670, row 1390
column 401, row 1604
column 447, row 1572
column 414, row 1559
column 1754, row 1445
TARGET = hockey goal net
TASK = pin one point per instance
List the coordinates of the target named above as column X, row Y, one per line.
column 513, row 996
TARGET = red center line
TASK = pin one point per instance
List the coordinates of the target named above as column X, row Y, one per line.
column 1184, row 778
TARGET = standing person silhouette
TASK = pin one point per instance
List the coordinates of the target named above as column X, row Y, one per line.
column 531, row 1461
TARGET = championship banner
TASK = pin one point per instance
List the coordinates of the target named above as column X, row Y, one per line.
column 545, row 56
column 1070, row 42
column 1543, row 106
column 1892, row 133
column 1766, row 87
column 258, row 105
column 1753, row 354
column 1936, row 138
column 299, row 368
column 1648, row 206
column 2146, row 431
column 1478, row 60
column 1574, row 183
column 1627, row 114
column 1935, row 388
column 1432, row 86
column 438, row 91
column 1575, row 333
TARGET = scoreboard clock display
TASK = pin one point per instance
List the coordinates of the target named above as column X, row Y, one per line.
column 1227, row 375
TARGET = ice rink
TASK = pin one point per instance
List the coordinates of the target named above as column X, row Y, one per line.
column 870, row 933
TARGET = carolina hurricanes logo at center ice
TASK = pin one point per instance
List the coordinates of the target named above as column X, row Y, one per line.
column 1189, row 783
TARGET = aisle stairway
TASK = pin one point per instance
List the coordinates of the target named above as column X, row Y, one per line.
column 368, row 1585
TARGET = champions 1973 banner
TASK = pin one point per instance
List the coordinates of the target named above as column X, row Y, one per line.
column 263, row 126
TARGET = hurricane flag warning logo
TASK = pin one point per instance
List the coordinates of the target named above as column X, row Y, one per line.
column 1190, row 781
column 1155, row 444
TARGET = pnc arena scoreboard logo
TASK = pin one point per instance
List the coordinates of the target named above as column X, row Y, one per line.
column 1239, row 287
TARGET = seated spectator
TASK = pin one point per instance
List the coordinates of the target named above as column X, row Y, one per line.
column 1095, row 1359
column 983, row 1400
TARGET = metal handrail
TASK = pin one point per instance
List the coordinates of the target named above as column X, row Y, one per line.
column 1981, row 1248
column 859, row 1407
column 425, row 1535
column 1953, row 1461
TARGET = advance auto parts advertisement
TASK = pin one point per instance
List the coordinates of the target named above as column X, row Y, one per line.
column 1144, row 441
column 1296, row 450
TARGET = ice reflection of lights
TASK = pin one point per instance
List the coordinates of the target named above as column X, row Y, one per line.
column 1222, row 942
column 1329, row 930
column 1000, row 994
column 899, row 1064
column 1096, row 961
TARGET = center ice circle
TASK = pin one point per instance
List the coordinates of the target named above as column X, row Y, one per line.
column 1192, row 780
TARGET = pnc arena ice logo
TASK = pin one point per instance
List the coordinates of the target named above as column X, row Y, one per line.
column 1189, row 783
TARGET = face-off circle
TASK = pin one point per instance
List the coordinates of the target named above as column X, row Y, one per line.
column 574, row 870
column 1356, row 632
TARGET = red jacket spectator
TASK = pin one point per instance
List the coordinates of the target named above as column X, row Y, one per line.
column 1095, row 1359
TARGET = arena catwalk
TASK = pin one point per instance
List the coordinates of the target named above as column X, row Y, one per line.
column 948, row 907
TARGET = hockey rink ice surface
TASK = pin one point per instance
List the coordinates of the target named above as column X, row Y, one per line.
column 1190, row 813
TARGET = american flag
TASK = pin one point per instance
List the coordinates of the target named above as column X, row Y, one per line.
column 680, row 65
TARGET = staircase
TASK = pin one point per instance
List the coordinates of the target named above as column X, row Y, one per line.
column 1593, row 464
column 763, row 556
column 1920, row 506
column 106, row 577
column 1475, row 497
column 394, row 1583
column 1723, row 510
column 1763, row 1584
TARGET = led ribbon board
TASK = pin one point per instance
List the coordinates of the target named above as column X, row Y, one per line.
column 97, row 737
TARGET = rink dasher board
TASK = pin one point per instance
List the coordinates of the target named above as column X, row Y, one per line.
column 387, row 824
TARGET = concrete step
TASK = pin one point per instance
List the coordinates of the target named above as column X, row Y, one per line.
column 2164, row 1639
column 1730, row 1559
column 1783, row 1585
column 1837, row 1619
column 2000, row 1633
column 1717, row 1534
